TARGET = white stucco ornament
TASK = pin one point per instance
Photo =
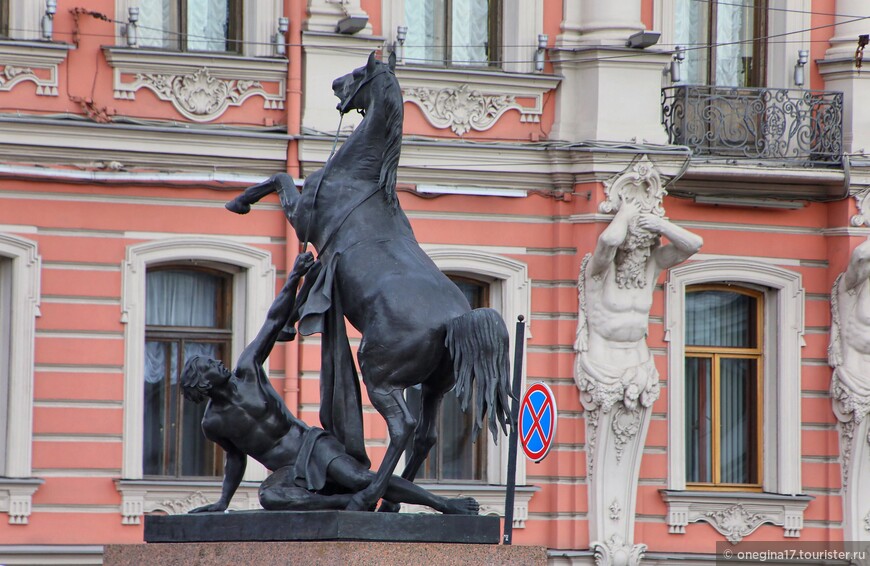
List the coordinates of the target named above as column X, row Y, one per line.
column 849, row 356
column 614, row 371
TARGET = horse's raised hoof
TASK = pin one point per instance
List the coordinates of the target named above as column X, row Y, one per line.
column 388, row 507
column 462, row 506
column 236, row 205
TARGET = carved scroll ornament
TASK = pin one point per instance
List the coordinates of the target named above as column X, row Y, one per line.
column 462, row 108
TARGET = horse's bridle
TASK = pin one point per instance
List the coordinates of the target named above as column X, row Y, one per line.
column 342, row 109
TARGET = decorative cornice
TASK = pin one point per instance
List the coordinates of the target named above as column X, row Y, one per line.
column 34, row 62
column 201, row 88
column 466, row 100
column 735, row 516
column 177, row 497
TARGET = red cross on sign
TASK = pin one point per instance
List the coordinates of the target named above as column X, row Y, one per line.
column 538, row 417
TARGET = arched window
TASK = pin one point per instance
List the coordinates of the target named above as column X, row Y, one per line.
column 455, row 457
column 188, row 311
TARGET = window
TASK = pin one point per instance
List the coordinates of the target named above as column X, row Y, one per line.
column 242, row 283
column 719, row 38
column 723, row 386
column 453, row 32
column 190, row 25
column 20, row 267
column 4, row 18
column 748, row 314
column 455, row 457
column 187, row 314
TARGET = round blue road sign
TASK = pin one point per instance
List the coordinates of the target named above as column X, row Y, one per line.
column 538, row 417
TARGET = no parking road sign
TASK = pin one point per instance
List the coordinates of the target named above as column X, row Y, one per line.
column 538, row 417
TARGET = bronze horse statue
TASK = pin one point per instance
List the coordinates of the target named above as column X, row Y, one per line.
column 417, row 327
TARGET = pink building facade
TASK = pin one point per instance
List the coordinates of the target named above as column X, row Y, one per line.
column 123, row 132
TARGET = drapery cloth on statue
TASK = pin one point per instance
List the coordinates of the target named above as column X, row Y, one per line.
column 319, row 309
column 319, row 449
column 607, row 385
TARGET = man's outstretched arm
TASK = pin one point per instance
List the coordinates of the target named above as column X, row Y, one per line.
column 279, row 313
column 234, row 471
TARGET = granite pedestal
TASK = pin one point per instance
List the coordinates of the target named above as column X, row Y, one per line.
column 321, row 537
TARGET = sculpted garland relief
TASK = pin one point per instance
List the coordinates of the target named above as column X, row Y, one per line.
column 614, row 370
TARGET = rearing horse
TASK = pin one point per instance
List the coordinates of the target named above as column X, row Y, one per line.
column 416, row 326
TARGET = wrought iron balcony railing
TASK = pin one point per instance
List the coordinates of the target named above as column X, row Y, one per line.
column 790, row 126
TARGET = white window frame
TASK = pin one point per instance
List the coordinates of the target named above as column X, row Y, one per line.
column 784, row 16
column 510, row 295
column 522, row 21
column 259, row 25
column 253, row 290
column 23, row 283
column 783, row 339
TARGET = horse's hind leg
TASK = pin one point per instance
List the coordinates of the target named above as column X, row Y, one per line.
column 390, row 403
column 425, row 438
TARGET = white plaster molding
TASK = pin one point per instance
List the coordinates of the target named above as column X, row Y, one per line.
column 200, row 87
column 510, row 295
column 466, row 100
column 490, row 497
column 324, row 15
column 253, row 289
column 862, row 200
column 641, row 183
column 177, row 497
column 48, row 141
column 26, row 267
column 34, row 62
column 735, row 515
column 522, row 21
column 784, row 328
column 615, row 552
column 259, row 24
column 15, row 498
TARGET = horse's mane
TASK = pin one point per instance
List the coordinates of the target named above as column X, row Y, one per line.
column 394, row 111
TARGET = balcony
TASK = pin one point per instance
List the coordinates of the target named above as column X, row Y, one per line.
column 777, row 127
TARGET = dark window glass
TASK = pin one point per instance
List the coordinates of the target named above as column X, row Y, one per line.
column 453, row 32
column 723, row 386
column 190, row 25
column 187, row 314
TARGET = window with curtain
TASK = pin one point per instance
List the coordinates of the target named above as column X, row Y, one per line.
column 190, row 25
column 187, row 314
column 723, row 372
column 453, row 32
column 455, row 457
column 724, row 41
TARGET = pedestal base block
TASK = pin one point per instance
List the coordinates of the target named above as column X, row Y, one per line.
column 321, row 553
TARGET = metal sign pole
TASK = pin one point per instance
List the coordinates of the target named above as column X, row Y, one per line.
column 512, row 442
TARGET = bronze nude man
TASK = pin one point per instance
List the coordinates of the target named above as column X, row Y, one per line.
column 247, row 417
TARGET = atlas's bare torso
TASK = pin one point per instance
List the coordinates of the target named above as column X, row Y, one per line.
column 855, row 320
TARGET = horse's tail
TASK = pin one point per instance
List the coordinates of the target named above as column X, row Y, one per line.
column 478, row 342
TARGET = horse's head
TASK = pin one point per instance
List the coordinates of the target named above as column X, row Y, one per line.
column 352, row 89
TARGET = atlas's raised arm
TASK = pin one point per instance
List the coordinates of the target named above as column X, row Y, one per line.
column 683, row 244
column 279, row 312
column 859, row 267
column 611, row 238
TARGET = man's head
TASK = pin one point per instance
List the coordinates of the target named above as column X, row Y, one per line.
column 201, row 375
column 632, row 255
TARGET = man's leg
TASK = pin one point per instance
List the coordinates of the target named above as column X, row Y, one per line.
column 350, row 474
column 278, row 492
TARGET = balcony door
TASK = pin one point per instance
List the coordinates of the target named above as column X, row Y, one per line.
column 725, row 41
